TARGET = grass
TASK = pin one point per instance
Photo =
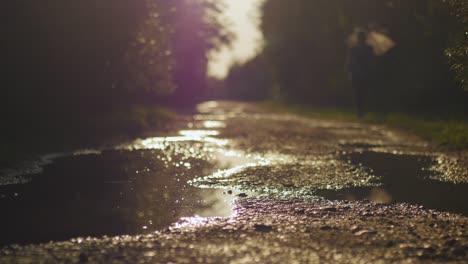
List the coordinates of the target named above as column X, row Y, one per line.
column 450, row 133
column 134, row 121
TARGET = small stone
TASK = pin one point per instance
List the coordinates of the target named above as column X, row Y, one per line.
column 299, row 211
column 451, row 242
column 390, row 243
column 405, row 246
column 365, row 232
column 263, row 228
column 329, row 209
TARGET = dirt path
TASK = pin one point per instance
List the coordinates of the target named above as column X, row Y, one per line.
column 305, row 191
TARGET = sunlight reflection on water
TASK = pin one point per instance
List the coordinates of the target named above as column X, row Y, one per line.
column 186, row 136
column 214, row 124
column 165, row 194
column 198, row 134
column 217, row 202
column 157, row 172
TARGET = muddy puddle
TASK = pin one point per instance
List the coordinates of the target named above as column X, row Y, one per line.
column 404, row 178
column 135, row 188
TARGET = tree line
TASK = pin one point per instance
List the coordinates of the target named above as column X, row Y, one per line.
column 65, row 62
column 305, row 50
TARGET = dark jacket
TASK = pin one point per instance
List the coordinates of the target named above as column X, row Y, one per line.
column 359, row 62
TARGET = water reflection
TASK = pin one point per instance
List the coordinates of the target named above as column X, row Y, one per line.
column 117, row 192
column 218, row 203
column 207, row 107
column 214, row 124
column 374, row 194
column 198, row 134
column 132, row 188
column 404, row 178
column 205, row 136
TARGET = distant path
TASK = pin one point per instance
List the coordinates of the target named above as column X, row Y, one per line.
column 307, row 199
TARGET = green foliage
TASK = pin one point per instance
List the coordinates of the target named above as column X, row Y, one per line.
column 66, row 64
column 303, row 45
column 198, row 29
column 133, row 121
column 450, row 133
column 305, row 52
column 249, row 81
column 149, row 59
column 457, row 52
column 310, row 111
column 80, row 54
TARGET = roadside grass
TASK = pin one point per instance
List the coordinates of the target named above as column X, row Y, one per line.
column 134, row 121
column 451, row 133
column 86, row 132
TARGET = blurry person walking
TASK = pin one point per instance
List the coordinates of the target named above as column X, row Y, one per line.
column 364, row 47
column 359, row 65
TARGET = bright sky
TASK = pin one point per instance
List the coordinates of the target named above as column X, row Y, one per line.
column 244, row 16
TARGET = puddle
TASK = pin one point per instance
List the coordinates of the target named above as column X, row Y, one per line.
column 114, row 193
column 404, row 178
column 134, row 188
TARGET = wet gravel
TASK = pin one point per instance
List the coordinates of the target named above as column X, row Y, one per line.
column 280, row 215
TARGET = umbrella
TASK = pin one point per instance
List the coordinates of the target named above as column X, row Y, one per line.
column 379, row 42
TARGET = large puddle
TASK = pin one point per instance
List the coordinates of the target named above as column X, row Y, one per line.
column 113, row 193
column 134, row 188
column 404, row 178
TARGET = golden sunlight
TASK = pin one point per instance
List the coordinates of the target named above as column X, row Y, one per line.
column 244, row 16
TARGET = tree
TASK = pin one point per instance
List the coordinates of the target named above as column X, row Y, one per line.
column 198, row 29
column 305, row 51
column 457, row 52
column 248, row 81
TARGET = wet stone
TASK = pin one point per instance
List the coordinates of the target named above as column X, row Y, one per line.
column 365, row 232
column 390, row 244
column 329, row 209
column 299, row 211
column 326, row 228
column 263, row 228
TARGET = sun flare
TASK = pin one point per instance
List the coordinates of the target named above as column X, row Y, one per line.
column 243, row 16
